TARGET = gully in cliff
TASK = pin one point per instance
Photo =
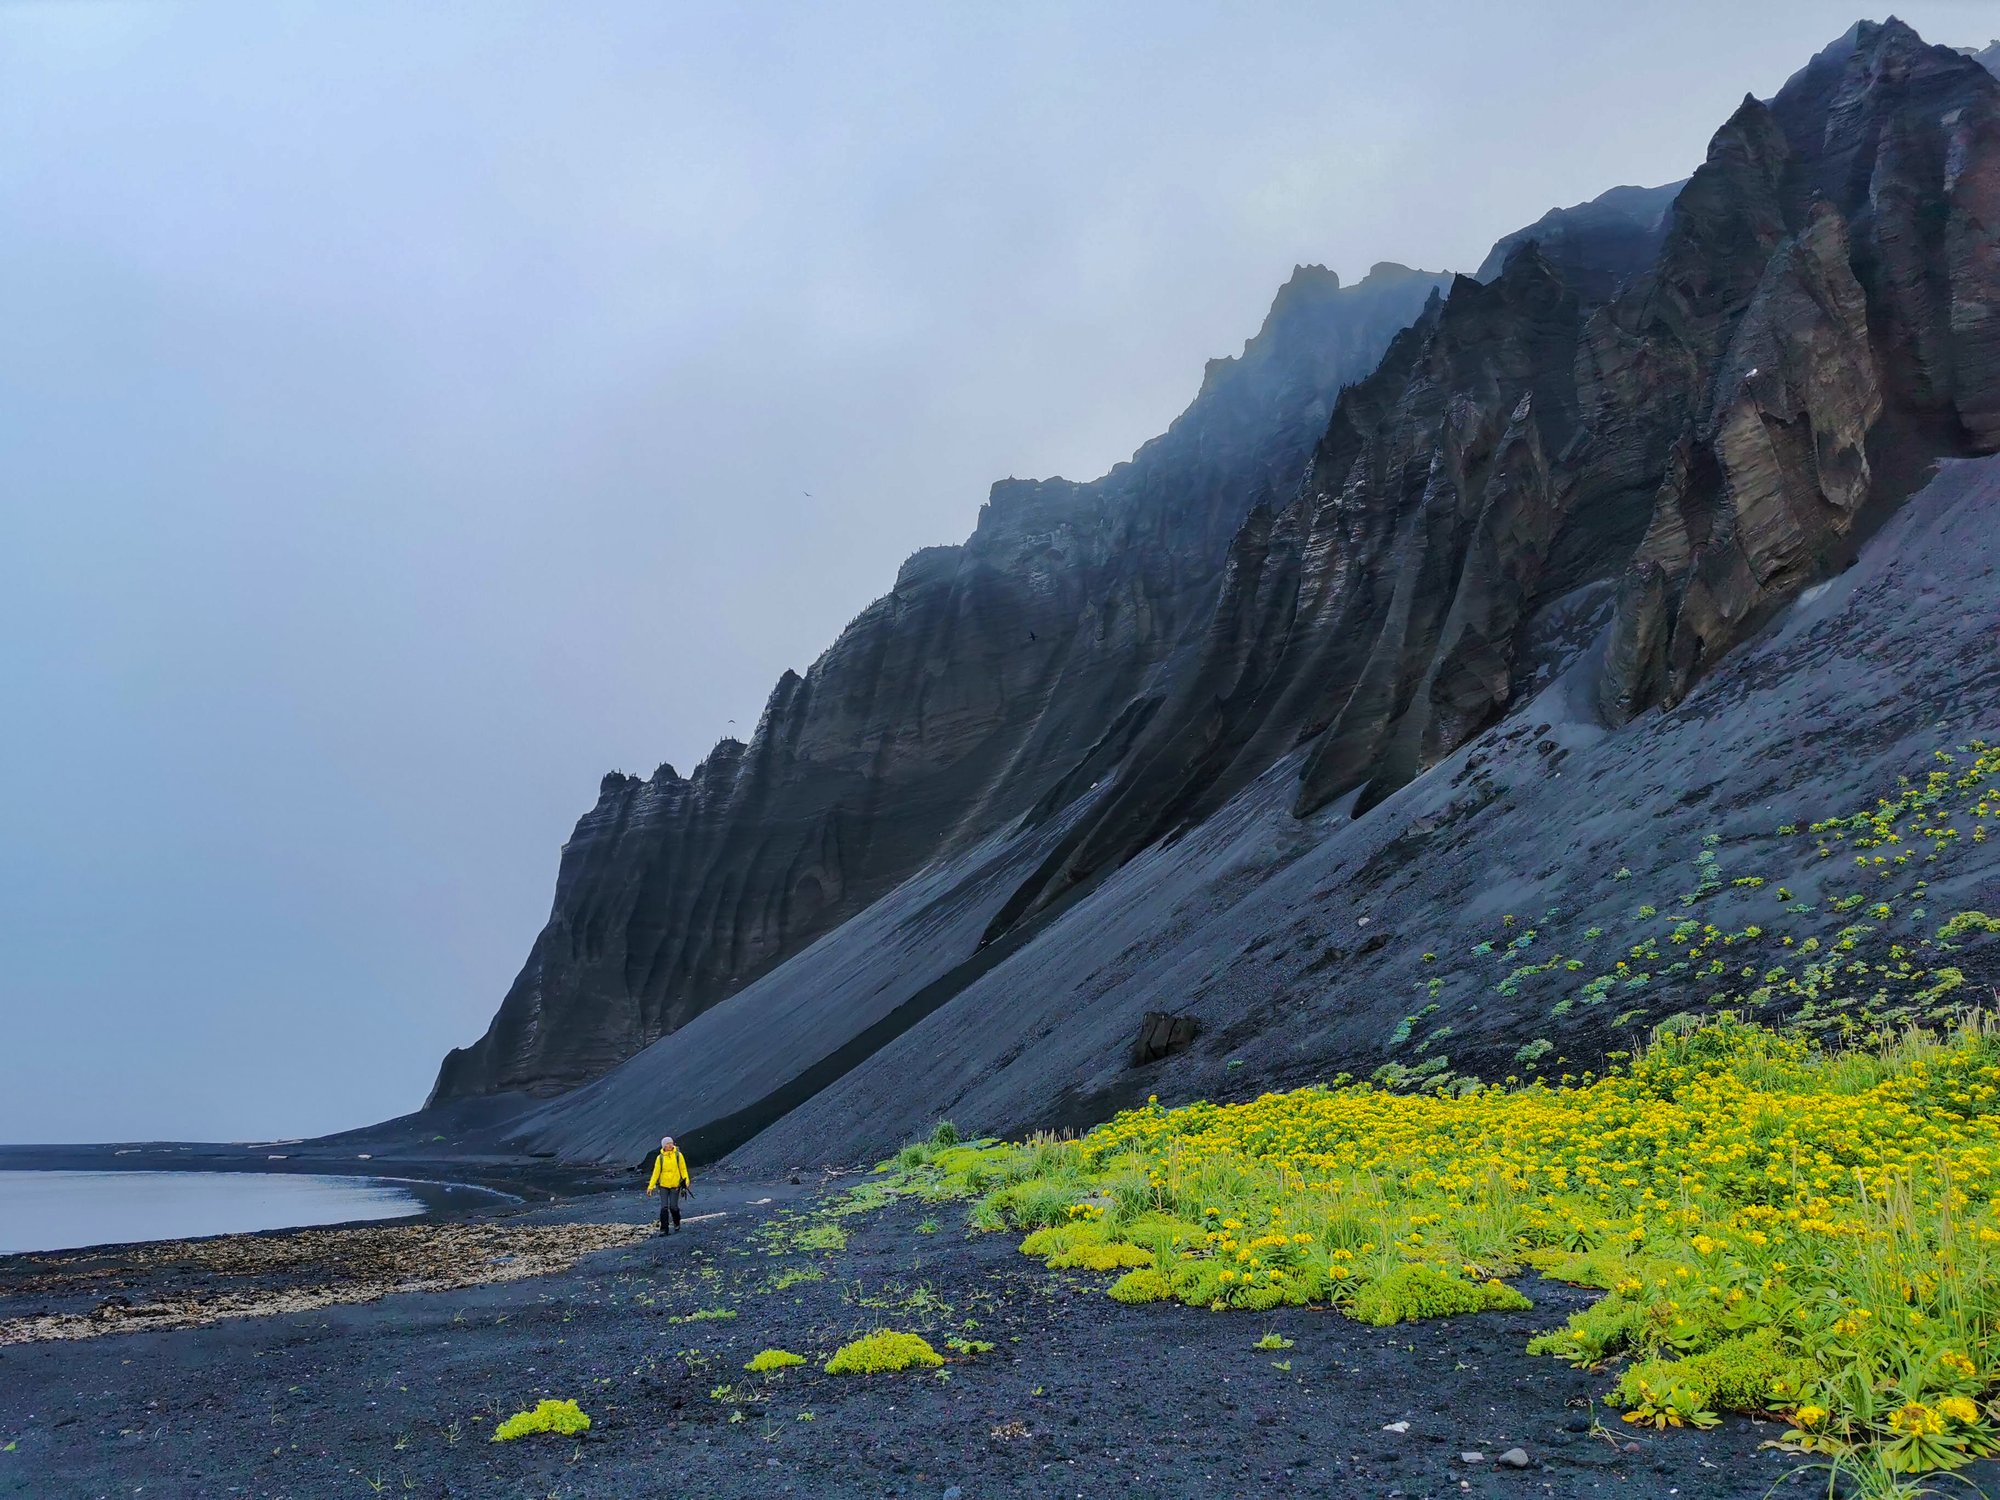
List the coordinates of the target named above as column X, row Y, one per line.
column 672, row 1178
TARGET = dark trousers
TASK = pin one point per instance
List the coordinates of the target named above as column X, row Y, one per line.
column 670, row 1210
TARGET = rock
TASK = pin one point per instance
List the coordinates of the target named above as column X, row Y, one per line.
column 1470, row 1457
column 954, row 1493
column 1161, row 1035
column 1397, row 1427
column 1513, row 1458
column 1577, row 1421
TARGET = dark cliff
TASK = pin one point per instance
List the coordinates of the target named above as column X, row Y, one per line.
column 950, row 705
column 1617, row 454
column 1825, row 294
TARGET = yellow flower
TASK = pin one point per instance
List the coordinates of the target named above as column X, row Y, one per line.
column 1916, row 1419
column 1959, row 1409
column 1809, row 1415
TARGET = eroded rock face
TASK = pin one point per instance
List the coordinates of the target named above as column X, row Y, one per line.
column 1699, row 438
column 967, row 695
column 1674, row 420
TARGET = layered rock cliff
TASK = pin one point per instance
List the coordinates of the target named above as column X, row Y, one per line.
column 1637, row 435
column 951, row 704
column 1824, row 293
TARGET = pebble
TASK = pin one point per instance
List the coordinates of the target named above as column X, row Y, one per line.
column 1470, row 1457
column 1397, row 1427
column 1514, row 1458
column 954, row 1493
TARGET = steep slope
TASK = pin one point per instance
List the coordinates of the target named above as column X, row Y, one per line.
column 948, row 707
column 1302, row 949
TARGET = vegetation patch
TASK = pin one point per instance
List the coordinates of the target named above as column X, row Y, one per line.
column 883, row 1351
column 770, row 1361
column 1796, row 1215
column 1413, row 1292
column 564, row 1418
column 820, row 1237
column 706, row 1315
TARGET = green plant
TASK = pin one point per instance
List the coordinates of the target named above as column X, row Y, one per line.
column 821, row 1237
column 564, row 1418
column 882, row 1351
column 1272, row 1340
column 769, row 1361
column 1413, row 1292
column 1144, row 1285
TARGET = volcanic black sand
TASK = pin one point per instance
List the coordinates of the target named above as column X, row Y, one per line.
column 1080, row 1396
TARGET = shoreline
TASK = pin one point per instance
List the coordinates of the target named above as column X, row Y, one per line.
column 522, row 1179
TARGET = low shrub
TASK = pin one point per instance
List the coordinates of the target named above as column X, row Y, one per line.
column 564, row 1418
column 1409, row 1294
column 883, row 1351
column 769, row 1361
column 1749, row 1372
column 1143, row 1285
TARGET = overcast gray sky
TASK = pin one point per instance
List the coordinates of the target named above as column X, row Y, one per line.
column 406, row 414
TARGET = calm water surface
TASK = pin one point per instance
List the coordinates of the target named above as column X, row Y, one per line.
column 68, row 1210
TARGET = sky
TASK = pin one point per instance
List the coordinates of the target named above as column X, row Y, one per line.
column 410, row 412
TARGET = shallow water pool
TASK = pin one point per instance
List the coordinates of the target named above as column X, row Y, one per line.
column 69, row 1210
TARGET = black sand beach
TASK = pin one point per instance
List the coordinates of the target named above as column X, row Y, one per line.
column 1080, row 1396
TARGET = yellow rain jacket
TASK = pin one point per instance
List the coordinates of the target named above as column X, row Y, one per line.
column 670, row 1170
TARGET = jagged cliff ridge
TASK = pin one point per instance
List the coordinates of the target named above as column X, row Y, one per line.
column 1826, row 292
column 949, row 706
column 1674, row 451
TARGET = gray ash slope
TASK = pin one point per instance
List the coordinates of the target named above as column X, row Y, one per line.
column 1520, row 602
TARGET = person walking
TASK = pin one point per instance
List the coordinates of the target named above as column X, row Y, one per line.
column 672, row 1178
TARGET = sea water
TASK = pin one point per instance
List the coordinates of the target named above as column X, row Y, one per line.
column 69, row 1210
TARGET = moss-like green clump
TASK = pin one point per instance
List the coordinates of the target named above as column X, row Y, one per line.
column 882, row 1351
column 1084, row 1246
column 565, row 1418
column 769, row 1360
column 1143, row 1285
column 1751, row 1372
column 1410, row 1293
column 821, row 1237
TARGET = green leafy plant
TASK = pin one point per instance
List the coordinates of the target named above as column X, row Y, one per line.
column 883, row 1351
column 564, row 1418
